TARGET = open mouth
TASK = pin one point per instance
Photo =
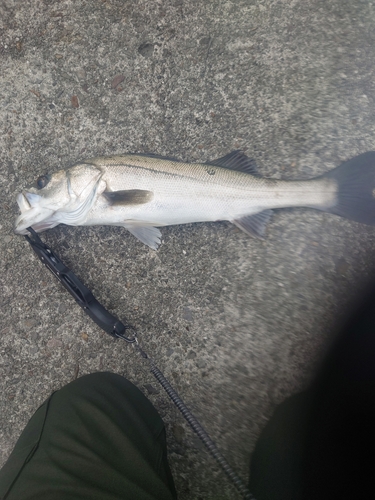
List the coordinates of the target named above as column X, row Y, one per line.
column 23, row 203
column 37, row 217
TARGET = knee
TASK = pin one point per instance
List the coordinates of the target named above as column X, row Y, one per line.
column 102, row 382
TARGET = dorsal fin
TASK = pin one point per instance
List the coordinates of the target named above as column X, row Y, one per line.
column 236, row 160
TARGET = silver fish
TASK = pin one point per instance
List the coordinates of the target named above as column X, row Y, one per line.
column 143, row 192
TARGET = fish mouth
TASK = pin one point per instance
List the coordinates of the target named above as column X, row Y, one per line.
column 23, row 203
column 39, row 218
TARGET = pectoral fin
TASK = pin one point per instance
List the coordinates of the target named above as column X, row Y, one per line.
column 254, row 225
column 149, row 235
column 128, row 197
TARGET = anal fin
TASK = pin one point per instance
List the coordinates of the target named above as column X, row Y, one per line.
column 254, row 225
column 149, row 235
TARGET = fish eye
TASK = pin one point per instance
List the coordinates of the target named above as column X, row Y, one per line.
column 42, row 181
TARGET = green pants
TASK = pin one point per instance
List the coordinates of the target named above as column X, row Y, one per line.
column 97, row 438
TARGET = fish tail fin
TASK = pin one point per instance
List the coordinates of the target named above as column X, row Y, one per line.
column 355, row 179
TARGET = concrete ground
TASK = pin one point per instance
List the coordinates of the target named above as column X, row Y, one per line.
column 236, row 324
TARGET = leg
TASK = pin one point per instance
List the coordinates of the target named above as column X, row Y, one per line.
column 97, row 438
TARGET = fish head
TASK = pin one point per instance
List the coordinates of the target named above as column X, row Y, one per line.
column 62, row 197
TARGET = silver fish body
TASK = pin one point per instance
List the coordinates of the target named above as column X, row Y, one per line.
column 141, row 193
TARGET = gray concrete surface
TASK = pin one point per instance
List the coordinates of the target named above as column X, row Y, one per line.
column 236, row 324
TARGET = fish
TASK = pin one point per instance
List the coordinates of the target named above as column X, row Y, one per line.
column 142, row 192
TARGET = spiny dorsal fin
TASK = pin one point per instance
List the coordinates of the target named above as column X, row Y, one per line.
column 128, row 197
column 254, row 225
column 236, row 160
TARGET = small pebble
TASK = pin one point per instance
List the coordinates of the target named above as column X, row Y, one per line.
column 75, row 102
column 178, row 433
column 146, row 49
column 34, row 335
column 151, row 389
column 197, row 443
column 187, row 314
column 35, row 92
column 178, row 449
column 27, row 324
column 81, row 73
column 62, row 307
column 201, row 363
column 117, row 80
column 54, row 343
